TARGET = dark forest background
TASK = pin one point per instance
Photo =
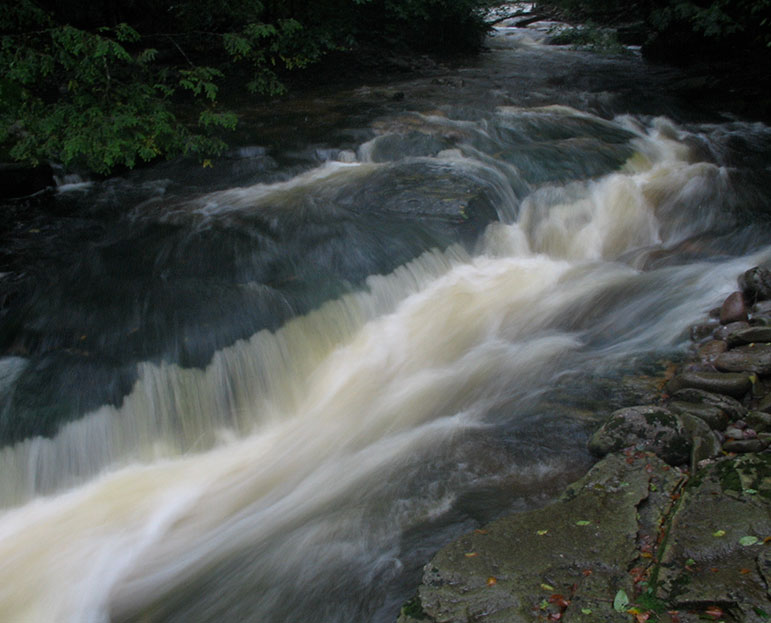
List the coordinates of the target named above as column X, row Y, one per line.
column 104, row 86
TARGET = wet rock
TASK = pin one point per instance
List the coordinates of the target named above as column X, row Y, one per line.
column 704, row 562
column 745, row 445
column 700, row 331
column 650, row 428
column 759, row 420
column 764, row 404
column 760, row 320
column 750, row 335
column 762, row 308
column 725, row 331
column 731, row 407
column 705, row 443
column 732, row 432
column 730, row 383
column 755, row 358
column 756, row 284
column 733, row 309
column 709, row 351
column 504, row 572
column 712, row 416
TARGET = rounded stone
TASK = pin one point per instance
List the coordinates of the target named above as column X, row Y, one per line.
column 648, row 427
column 733, row 309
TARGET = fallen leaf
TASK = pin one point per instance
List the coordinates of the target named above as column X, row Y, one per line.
column 714, row 611
column 547, row 587
column 583, row 522
column 480, row 531
column 587, row 572
column 541, row 532
column 745, row 571
column 718, row 533
column 748, row 540
column 471, row 554
column 620, row 601
column 491, row 581
column 586, row 610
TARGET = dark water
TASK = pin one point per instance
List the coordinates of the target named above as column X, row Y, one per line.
column 270, row 390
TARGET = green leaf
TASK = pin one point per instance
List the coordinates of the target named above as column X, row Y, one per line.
column 620, row 601
column 583, row 522
column 586, row 610
column 748, row 540
column 718, row 533
column 751, row 491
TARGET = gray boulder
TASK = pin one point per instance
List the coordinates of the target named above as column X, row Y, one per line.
column 755, row 359
column 650, row 428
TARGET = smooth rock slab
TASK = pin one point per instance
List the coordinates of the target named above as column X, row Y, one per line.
column 749, row 335
column 503, row 573
column 731, row 384
column 718, row 500
column 755, row 359
column 650, row 428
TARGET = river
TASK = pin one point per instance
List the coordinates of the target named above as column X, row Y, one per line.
column 268, row 390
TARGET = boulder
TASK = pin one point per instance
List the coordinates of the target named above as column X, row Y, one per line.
column 712, row 416
column 648, row 428
column 756, row 284
column 732, row 384
column 709, row 351
column 750, row 335
column 759, row 420
column 755, row 359
column 733, row 309
column 731, row 408
column 725, row 331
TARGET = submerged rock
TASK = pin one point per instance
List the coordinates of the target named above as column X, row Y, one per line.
column 651, row 428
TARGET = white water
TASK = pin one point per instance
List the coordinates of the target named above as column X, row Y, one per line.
column 295, row 446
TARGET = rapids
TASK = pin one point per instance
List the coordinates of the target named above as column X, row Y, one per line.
column 270, row 392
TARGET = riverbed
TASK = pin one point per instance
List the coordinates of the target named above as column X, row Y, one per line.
column 271, row 388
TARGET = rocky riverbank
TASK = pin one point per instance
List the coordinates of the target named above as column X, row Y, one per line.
column 673, row 524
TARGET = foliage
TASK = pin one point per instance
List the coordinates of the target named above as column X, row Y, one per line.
column 591, row 37
column 116, row 83
column 718, row 19
column 718, row 26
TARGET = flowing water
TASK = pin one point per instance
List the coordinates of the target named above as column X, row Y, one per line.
column 269, row 390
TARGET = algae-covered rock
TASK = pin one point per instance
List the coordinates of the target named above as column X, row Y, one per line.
column 580, row 547
column 649, row 427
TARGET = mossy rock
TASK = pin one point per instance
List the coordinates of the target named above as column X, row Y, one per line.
column 649, row 428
